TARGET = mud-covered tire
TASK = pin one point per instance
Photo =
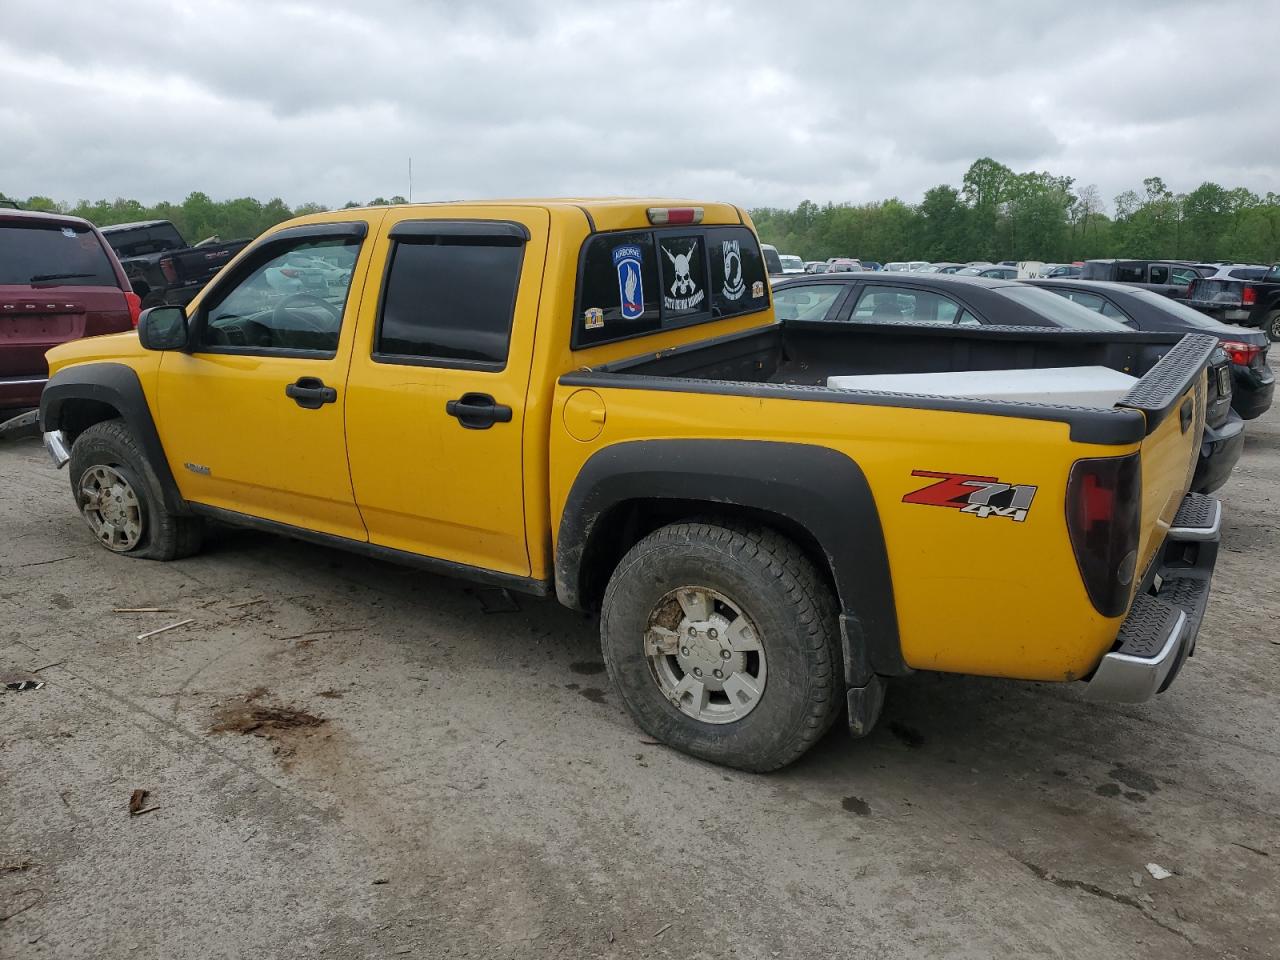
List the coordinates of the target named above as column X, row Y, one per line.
column 164, row 535
column 1271, row 326
column 794, row 614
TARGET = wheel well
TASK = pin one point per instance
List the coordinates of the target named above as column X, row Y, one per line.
column 627, row 523
column 77, row 416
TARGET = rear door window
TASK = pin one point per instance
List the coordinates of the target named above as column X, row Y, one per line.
column 1130, row 273
column 639, row 282
column 449, row 300
column 1159, row 273
column 50, row 255
column 878, row 304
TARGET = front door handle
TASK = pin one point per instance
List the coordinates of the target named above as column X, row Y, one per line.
column 478, row 411
column 310, row 393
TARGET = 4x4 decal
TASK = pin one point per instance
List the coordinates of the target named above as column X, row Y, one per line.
column 969, row 493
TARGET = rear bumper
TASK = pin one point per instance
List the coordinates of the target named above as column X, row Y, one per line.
column 1252, row 393
column 1160, row 631
column 1236, row 315
column 1219, row 451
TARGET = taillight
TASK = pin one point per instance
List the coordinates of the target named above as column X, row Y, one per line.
column 168, row 269
column 1190, row 286
column 135, row 306
column 1248, row 296
column 660, row 216
column 1104, row 509
column 1241, row 353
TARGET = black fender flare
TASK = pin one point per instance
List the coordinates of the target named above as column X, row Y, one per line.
column 117, row 386
column 819, row 489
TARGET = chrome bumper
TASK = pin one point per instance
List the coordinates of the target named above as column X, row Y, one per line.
column 56, row 444
column 1161, row 629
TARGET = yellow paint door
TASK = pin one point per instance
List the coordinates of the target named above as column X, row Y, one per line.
column 252, row 419
column 436, row 394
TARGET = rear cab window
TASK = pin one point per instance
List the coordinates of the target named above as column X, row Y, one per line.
column 44, row 254
column 634, row 283
column 140, row 241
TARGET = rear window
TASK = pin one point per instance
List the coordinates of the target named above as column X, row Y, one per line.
column 1249, row 273
column 639, row 282
column 53, row 255
column 1192, row 318
column 1060, row 311
column 141, row 241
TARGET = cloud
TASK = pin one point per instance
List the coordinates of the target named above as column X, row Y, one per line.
column 758, row 103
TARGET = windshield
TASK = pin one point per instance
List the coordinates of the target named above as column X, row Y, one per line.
column 790, row 263
column 53, row 254
column 1061, row 311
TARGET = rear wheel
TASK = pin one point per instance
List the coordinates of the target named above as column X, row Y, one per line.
column 1272, row 326
column 724, row 644
column 121, row 499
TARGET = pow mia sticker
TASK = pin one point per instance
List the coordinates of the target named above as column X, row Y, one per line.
column 979, row 496
column 684, row 294
column 734, row 286
column 593, row 318
column 626, row 260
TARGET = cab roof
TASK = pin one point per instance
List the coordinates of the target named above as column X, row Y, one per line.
column 603, row 213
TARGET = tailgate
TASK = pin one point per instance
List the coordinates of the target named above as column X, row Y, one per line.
column 1172, row 397
column 32, row 323
column 1226, row 292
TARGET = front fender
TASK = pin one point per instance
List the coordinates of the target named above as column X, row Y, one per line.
column 114, row 385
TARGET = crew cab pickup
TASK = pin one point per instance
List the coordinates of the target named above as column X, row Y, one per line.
column 1251, row 300
column 593, row 400
column 160, row 264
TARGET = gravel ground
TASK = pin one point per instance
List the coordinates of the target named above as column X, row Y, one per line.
column 348, row 759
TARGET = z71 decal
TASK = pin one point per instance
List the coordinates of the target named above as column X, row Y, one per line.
column 980, row 496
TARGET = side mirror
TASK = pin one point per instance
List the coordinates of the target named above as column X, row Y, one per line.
column 163, row 328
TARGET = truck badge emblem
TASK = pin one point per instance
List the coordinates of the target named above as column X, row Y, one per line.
column 626, row 260
column 980, row 496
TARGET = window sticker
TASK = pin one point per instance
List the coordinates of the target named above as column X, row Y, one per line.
column 685, row 294
column 626, row 260
column 757, row 289
column 734, row 285
column 69, row 233
column 593, row 318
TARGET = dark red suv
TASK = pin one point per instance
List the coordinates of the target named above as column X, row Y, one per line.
column 59, row 281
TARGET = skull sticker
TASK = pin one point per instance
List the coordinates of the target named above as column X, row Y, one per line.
column 684, row 291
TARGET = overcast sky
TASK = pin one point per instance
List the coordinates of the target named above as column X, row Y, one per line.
column 756, row 103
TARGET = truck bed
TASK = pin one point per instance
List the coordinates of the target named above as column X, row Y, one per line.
column 796, row 358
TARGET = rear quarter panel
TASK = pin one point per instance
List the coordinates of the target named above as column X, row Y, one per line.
column 988, row 596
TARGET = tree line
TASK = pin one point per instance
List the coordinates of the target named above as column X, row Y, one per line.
column 196, row 217
column 995, row 214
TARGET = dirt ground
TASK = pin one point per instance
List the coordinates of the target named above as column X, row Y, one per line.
column 345, row 759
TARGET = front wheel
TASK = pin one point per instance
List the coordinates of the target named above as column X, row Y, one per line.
column 120, row 497
column 724, row 644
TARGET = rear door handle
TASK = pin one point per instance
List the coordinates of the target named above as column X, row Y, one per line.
column 478, row 411
column 310, row 393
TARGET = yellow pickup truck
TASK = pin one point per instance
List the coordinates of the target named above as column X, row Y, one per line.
column 592, row 399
